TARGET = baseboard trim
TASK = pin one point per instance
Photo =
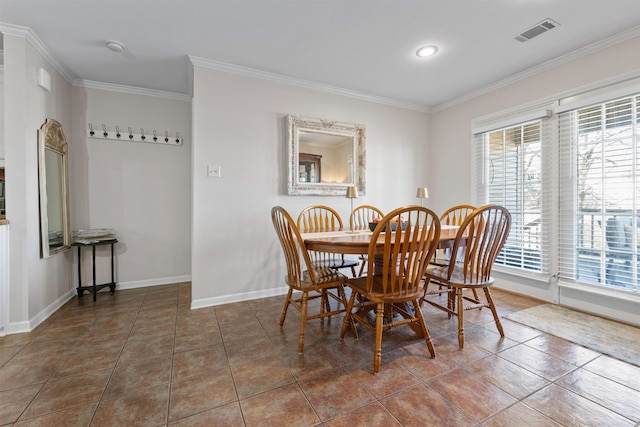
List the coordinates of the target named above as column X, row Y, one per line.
column 152, row 282
column 245, row 296
column 31, row 324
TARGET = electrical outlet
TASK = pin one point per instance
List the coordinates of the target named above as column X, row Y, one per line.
column 214, row 171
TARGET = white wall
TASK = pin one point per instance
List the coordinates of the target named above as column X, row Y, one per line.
column 239, row 123
column 141, row 190
column 450, row 162
column 37, row 286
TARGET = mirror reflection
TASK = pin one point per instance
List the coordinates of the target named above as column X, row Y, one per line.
column 325, row 157
column 2, row 205
column 55, row 231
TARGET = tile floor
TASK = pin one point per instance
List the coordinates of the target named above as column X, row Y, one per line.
column 142, row 358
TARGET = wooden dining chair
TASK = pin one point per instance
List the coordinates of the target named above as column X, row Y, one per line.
column 359, row 220
column 320, row 218
column 480, row 238
column 304, row 277
column 455, row 215
column 396, row 279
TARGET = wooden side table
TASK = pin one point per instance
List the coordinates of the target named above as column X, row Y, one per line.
column 95, row 287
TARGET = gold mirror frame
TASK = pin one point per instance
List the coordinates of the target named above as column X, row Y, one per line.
column 298, row 125
column 53, row 179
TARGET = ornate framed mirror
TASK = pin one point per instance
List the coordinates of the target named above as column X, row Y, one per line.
column 55, row 230
column 325, row 156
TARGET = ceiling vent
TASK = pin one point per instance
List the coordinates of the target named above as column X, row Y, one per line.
column 536, row 30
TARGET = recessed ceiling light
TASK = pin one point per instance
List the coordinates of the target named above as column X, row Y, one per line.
column 427, row 51
column 115, row 46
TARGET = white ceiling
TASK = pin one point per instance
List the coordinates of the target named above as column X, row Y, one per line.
column 363, row 46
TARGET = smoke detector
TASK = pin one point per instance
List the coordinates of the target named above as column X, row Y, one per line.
column 536, row 30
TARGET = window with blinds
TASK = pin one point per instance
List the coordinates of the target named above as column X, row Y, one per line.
column 512, row 174
column 599, row 185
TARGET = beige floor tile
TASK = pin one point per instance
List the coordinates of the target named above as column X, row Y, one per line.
column 259, row 375
column 284, row 406
column 520, row 415
column 374, row 413
column 82, row 389
column 514, row 379
column 617, row 370
column 610, row 394
column 149, row 372
column 563, row 349
column 200, row 393
column 539, row 363
column 423, row 406
column 335, row 392
column 570, row 409
column 228, row 415
column 477, row 397
column 77, row 416
column 143, row 407
column 15, row 401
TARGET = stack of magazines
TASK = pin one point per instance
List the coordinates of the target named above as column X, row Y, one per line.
column 97, row 235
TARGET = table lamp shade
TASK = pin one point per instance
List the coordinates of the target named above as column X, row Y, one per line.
column 422, row 193
column 352, row 192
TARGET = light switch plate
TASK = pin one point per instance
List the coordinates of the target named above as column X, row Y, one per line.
column 214, row 171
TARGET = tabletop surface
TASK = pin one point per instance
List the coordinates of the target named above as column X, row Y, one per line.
column 357, row 242
column 92, row 242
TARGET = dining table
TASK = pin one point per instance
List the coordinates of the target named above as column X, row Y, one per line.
column 356, row 242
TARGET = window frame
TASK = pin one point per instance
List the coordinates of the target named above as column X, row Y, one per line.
column 481, row 128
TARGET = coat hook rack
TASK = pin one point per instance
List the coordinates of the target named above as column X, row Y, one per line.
column 116, row 135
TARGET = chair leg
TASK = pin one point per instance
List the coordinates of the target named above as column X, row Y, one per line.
column 286, row 306
column 347, row 318
column 451, row 301
column 377, row 353
column 494, row 311
column 343, row 297
column 423, row 325
column 362, row 267
column 460, row 318
column 303, row 321
column 325, row 305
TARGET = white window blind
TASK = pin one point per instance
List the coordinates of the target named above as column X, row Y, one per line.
column 512, row 170
column 599, row 187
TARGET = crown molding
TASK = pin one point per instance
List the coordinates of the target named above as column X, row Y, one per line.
column 306, row 84
column 546, row 66
column 39, row 46
column 132, row 90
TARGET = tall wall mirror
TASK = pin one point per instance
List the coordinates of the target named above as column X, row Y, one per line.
column 55, row 230
column 325, row 156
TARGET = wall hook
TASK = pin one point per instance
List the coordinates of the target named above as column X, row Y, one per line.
column 118, row 133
